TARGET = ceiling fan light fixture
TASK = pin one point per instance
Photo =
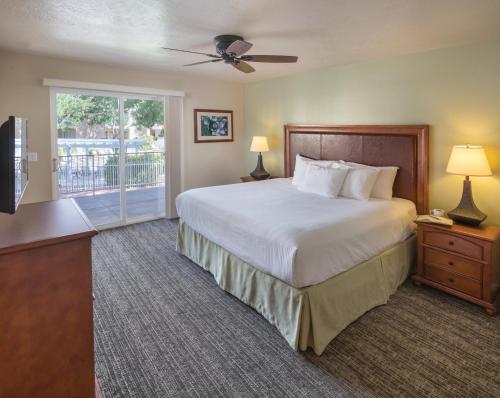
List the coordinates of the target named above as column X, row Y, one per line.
column 230, row 49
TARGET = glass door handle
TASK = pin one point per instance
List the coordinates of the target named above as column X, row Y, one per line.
column 24, row 166
column 54, row 164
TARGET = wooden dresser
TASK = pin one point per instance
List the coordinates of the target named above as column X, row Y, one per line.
column 461, row 260
column 46, row 319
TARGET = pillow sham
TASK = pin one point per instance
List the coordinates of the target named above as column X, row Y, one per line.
column 301, row 164
column 385, row 182
column 382, row 189
column 325, row 181
column 359, row 183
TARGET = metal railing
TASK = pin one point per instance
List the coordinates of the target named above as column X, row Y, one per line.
column 101, row 172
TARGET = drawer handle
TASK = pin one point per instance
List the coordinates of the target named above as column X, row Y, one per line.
column 451, row 263
column 451, row 243
column 451, row 280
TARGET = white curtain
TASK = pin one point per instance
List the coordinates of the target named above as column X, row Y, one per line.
column 173, row 145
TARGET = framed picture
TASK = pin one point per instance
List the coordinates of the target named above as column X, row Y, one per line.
column 212, row 125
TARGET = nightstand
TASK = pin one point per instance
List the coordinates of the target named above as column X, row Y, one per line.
column 250, row 178
column 460, row 260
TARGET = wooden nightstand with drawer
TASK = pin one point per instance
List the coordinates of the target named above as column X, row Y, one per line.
column 461, row 260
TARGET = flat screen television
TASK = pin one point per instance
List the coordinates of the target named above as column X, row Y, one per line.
column 13, row 163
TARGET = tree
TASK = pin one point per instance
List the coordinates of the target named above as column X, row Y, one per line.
column 72, row 110
column 148, row 113
column 101, row 110
column 69, row 111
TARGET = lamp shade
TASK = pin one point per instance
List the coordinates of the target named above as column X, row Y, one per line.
column 259, row 144
column 468, row 160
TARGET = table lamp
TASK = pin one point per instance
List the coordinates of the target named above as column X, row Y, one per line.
column 259, row 144
column 468, row 160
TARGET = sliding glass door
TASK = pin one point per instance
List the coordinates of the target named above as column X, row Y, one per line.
column 144, row 148
column 110, row 155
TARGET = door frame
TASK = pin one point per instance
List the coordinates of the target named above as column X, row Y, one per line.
column 121, row 97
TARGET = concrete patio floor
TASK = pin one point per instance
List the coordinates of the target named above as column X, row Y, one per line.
column 102, row 209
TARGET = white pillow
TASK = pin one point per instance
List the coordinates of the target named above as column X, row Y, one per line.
column 301, row 167
column 385, row 180
column 325, row 181
column 359, row 183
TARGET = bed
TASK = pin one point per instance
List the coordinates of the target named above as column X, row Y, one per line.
column 312, row 265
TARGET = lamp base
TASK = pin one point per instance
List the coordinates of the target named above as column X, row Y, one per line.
column 260, row 172
column 467, row 211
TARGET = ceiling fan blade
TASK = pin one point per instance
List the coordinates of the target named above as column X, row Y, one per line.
column 243, row 66
column 203, row 62
column 238, row 47
column 270, row 58
column 191, row 52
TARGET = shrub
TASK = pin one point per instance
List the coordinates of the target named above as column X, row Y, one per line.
column 140, row 169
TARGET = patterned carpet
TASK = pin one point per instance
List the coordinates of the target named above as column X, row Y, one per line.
column 163, row 328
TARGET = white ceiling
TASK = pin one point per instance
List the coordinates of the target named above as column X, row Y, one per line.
column 320, row 32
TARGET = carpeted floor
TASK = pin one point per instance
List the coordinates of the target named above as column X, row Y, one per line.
column 163, row 328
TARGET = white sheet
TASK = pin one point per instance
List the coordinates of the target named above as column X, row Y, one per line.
column 301, row 238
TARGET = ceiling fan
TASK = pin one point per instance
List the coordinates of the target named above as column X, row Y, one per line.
column 231, row 50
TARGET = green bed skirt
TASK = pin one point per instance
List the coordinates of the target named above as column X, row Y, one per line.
column 311, row 316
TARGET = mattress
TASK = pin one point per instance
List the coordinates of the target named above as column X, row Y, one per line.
column 300, row 238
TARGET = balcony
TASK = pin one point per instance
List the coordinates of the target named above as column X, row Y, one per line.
column 93, row 180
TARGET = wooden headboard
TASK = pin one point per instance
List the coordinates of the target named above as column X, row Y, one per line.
column 404, row 146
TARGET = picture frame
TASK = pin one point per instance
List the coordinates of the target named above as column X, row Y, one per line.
column 211, row 125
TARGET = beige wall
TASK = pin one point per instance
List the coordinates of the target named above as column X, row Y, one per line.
column 22, row 93
column 456, row 91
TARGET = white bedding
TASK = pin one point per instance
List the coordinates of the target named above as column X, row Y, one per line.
column 301, row 238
